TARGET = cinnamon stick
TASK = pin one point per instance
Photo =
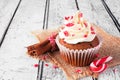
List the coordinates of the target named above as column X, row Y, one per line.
column 36, row 46
column 41, row 48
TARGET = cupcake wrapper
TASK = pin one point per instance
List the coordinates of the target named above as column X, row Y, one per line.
column 77, row 57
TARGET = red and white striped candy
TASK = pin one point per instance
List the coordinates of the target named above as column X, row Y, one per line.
column 99, row 65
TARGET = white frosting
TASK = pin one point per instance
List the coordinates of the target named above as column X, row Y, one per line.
column 75, row 30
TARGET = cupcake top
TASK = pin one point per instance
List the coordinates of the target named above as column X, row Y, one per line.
column 76, row 29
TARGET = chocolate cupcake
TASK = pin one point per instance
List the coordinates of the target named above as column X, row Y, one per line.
column 77, row 41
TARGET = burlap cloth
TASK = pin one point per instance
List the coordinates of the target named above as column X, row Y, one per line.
column 110, row 47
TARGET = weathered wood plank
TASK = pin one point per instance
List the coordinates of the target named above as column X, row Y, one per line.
column 114, row 7
column 60, row 9
column 15, row 64
column 96, row 13
column 7, row 8
column 14, row 61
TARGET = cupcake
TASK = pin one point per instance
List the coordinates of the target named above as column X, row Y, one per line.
column 77, row 41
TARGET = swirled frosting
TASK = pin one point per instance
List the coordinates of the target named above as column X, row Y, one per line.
column 76, row 29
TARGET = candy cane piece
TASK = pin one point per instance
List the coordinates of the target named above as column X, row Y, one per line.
column 99, row 65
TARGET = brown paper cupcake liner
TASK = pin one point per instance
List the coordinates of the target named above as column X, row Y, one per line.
column 77, row 57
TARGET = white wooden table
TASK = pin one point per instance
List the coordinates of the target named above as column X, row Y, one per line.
column 19, row 17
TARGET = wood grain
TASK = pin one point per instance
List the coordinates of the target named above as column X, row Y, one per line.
column 116, row 9
column 14, row 63
column 7, row 8
column 95, row 12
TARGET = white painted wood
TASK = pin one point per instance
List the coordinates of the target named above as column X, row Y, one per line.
column 15, row 64
column 95, row 12
column 114, row 7
column 60, row 9
column 7, row 8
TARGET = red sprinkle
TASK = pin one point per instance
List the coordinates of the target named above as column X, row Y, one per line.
column 69, row 24
column 92, row 32
column 71, row 17
column 66, row 33
column 85, row 35
column 78, row 71
column 36, row 65
column 44, row 57
column 80, row 15
column 73, row 34
column 91, row 28
column 55, row 67
column 79, row 28
column 66, row 18
column 46, row 64
column 85, row 24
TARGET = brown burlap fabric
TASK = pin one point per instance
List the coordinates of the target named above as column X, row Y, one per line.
column 110, row 47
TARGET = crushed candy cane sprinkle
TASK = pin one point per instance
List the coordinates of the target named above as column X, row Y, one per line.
column 36, row 65
column 76, row 29
column 55, row 66
column 52, row 41
column 78, row 71
column 46, row 64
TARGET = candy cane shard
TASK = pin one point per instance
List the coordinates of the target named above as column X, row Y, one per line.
column 99, row 65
